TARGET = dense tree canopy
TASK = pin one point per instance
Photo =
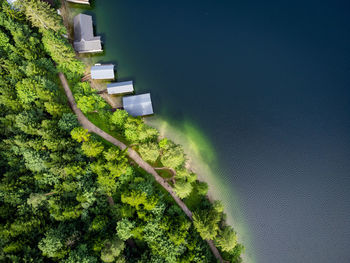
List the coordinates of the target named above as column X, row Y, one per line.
column 68, row 196
column 41, row 15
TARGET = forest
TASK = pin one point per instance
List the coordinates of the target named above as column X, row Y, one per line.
column 67, row 195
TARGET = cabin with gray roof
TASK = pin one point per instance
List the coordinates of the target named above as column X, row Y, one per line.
column 99, row 71
column 120, row 87
column 138, row 105
column 84, row 39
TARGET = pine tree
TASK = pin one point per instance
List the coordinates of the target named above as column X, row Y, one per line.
column 41, row 15
column 206, row 223
column 226, row 239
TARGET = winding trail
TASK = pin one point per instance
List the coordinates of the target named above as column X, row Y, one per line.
column 83, row 120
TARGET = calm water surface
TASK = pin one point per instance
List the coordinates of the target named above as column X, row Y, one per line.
column 268, row 83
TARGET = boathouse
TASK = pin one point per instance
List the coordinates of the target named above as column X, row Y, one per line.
column 102, row 71
column 84, row 39
column 120, row 87
column 85, row 2
column 138, row 105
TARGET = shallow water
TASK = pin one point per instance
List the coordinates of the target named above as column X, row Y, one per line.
column 266, row 84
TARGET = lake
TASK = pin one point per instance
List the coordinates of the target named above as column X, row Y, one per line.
column 259, row 91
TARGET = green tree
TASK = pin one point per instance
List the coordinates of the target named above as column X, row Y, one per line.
column 35, row 200
column 92, row 148
column 107, row 184
column 186, row 175
column 13, row 247
column 80, row 134
column 4, row 39
column 159, row 242
column 55, row 109
column 99, row 223
column 86, row 104
column 218, row 207
column 124, row 229
column 139, row 200
column 206, row 223
column 234, row 255
column 173, row 156
column 53, row 244
column 226, row 239
column 68, row 122
column 62, row 53
column 113, row 154
column 147, row 133
column 41, row 67
column 41, row 15
column 23, row 226
column 202, row 188
column 137, row 131
column 183, row 188
column 163, row 143
column 119, row 118
column 26, row 90
column 149, row 151
column 65, row 206
column 106, row 181
column 111, row 250
column 80, row 255
column 35, row 161
column 29, row 121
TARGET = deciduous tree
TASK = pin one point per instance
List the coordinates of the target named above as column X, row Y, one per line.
column 124, row 229
column 173, row 156
column 80, row 134
column 149, row 151
column 53, row 244
column 111, row 250
column 35, row 200
column 92, row 148
column 119, row 118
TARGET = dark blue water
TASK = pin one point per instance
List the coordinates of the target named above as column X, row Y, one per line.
column 268, row 83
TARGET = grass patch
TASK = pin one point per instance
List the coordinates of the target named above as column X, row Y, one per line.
column 165, row 174
column 102, row 121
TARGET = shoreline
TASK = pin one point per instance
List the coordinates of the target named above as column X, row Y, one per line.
column 194, row 162
column 218, row 190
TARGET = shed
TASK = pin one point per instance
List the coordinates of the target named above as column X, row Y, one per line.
column 120, row 87
column 102, row 71
column 84, row 39
column 138, row 105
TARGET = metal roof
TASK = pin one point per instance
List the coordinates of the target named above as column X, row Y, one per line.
column 84, row 39
column 102, row 71
column 120, row 87
column 138, row 105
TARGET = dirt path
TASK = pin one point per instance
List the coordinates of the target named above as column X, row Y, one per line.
column 132, row 154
